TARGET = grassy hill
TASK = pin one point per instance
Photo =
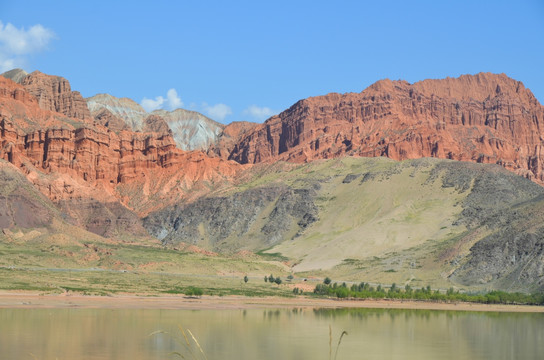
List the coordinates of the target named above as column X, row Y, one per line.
column 414, row 222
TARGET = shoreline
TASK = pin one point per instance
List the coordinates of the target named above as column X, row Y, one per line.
column 22, row 300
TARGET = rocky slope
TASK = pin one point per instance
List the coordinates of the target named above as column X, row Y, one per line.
column 17, row 75
column 232, row 134
column 190, row 129
column 484, row 118
column 21, row 205
column 73, row 162
column 417, row 221
column 253, row 219
column 124, row 110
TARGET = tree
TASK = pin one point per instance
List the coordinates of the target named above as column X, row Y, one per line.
column 265, row 278
column 194, row 291
column 362, row 286
column 290, row 277
column 271, row 278
column 327, row 281
column 342, row 292
column 246, row 279
column 278, row 280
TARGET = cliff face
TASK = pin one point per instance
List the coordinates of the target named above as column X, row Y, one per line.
column 21, row 108
column 232, row 134
column 55, row 94
column 143, row 171
column 484, row 118
column 101, row 158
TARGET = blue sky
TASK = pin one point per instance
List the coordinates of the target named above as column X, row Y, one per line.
column 245, row 60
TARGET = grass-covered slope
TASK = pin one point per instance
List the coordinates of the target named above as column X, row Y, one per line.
column 416, row 222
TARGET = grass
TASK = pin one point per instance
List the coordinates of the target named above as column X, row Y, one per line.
column 103, row 267
column 276, row 256
column 188, row 342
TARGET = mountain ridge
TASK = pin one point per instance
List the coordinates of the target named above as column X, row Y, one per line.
column 403, row 121
column 356, row 184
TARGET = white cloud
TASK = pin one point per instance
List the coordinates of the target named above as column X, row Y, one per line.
column 218, row 111
column 16, row 44
column 174, row 101
column 150, row 104
column 259, row 113
column 171, row 102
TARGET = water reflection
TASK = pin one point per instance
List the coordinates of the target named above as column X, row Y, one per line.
column 269, row 334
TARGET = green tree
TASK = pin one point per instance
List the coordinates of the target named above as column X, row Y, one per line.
column 246, row 279
column 271, row 278
column 327, row 281
column 194, row 291
column 277, row 280
column 265, row 278
column 342, row 292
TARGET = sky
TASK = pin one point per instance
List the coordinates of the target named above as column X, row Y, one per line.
column 247, row 60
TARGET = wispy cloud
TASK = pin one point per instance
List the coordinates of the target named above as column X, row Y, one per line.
column 218, row 111
column 171, row 102
column 259, row 113
column 17, row 43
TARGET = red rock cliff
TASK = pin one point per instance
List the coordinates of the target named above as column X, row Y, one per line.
column 144, row 171
column 485, row 118
column 55, row 94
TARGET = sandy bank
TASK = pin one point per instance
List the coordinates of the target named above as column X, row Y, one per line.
column 36, row 301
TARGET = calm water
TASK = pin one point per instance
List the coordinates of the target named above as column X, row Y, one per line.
column 269, row 334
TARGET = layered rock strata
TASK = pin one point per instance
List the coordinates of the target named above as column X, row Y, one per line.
column 55, row 94
column 483, row 118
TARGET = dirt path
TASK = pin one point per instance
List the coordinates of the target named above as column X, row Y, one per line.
column 36, row 301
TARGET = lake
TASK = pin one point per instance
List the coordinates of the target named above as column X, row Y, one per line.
column 252, row 334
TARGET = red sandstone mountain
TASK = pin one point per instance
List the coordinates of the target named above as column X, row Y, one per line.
column 72, row 158
column 55, row 94
column 144, row 171
column 483, row 118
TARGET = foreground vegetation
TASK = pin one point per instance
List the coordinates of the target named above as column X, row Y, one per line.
column 103, row 267
column 365, row 291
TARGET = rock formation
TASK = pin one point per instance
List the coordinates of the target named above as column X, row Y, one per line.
column 144, row 171
column 484, row 118
column 190, row 129
column 23, row 111
column 232, row 134
column 17, row 75
column 155, row 123
column 54, row 94
column 125, row 109
column 106, row 118
column 103, row 159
